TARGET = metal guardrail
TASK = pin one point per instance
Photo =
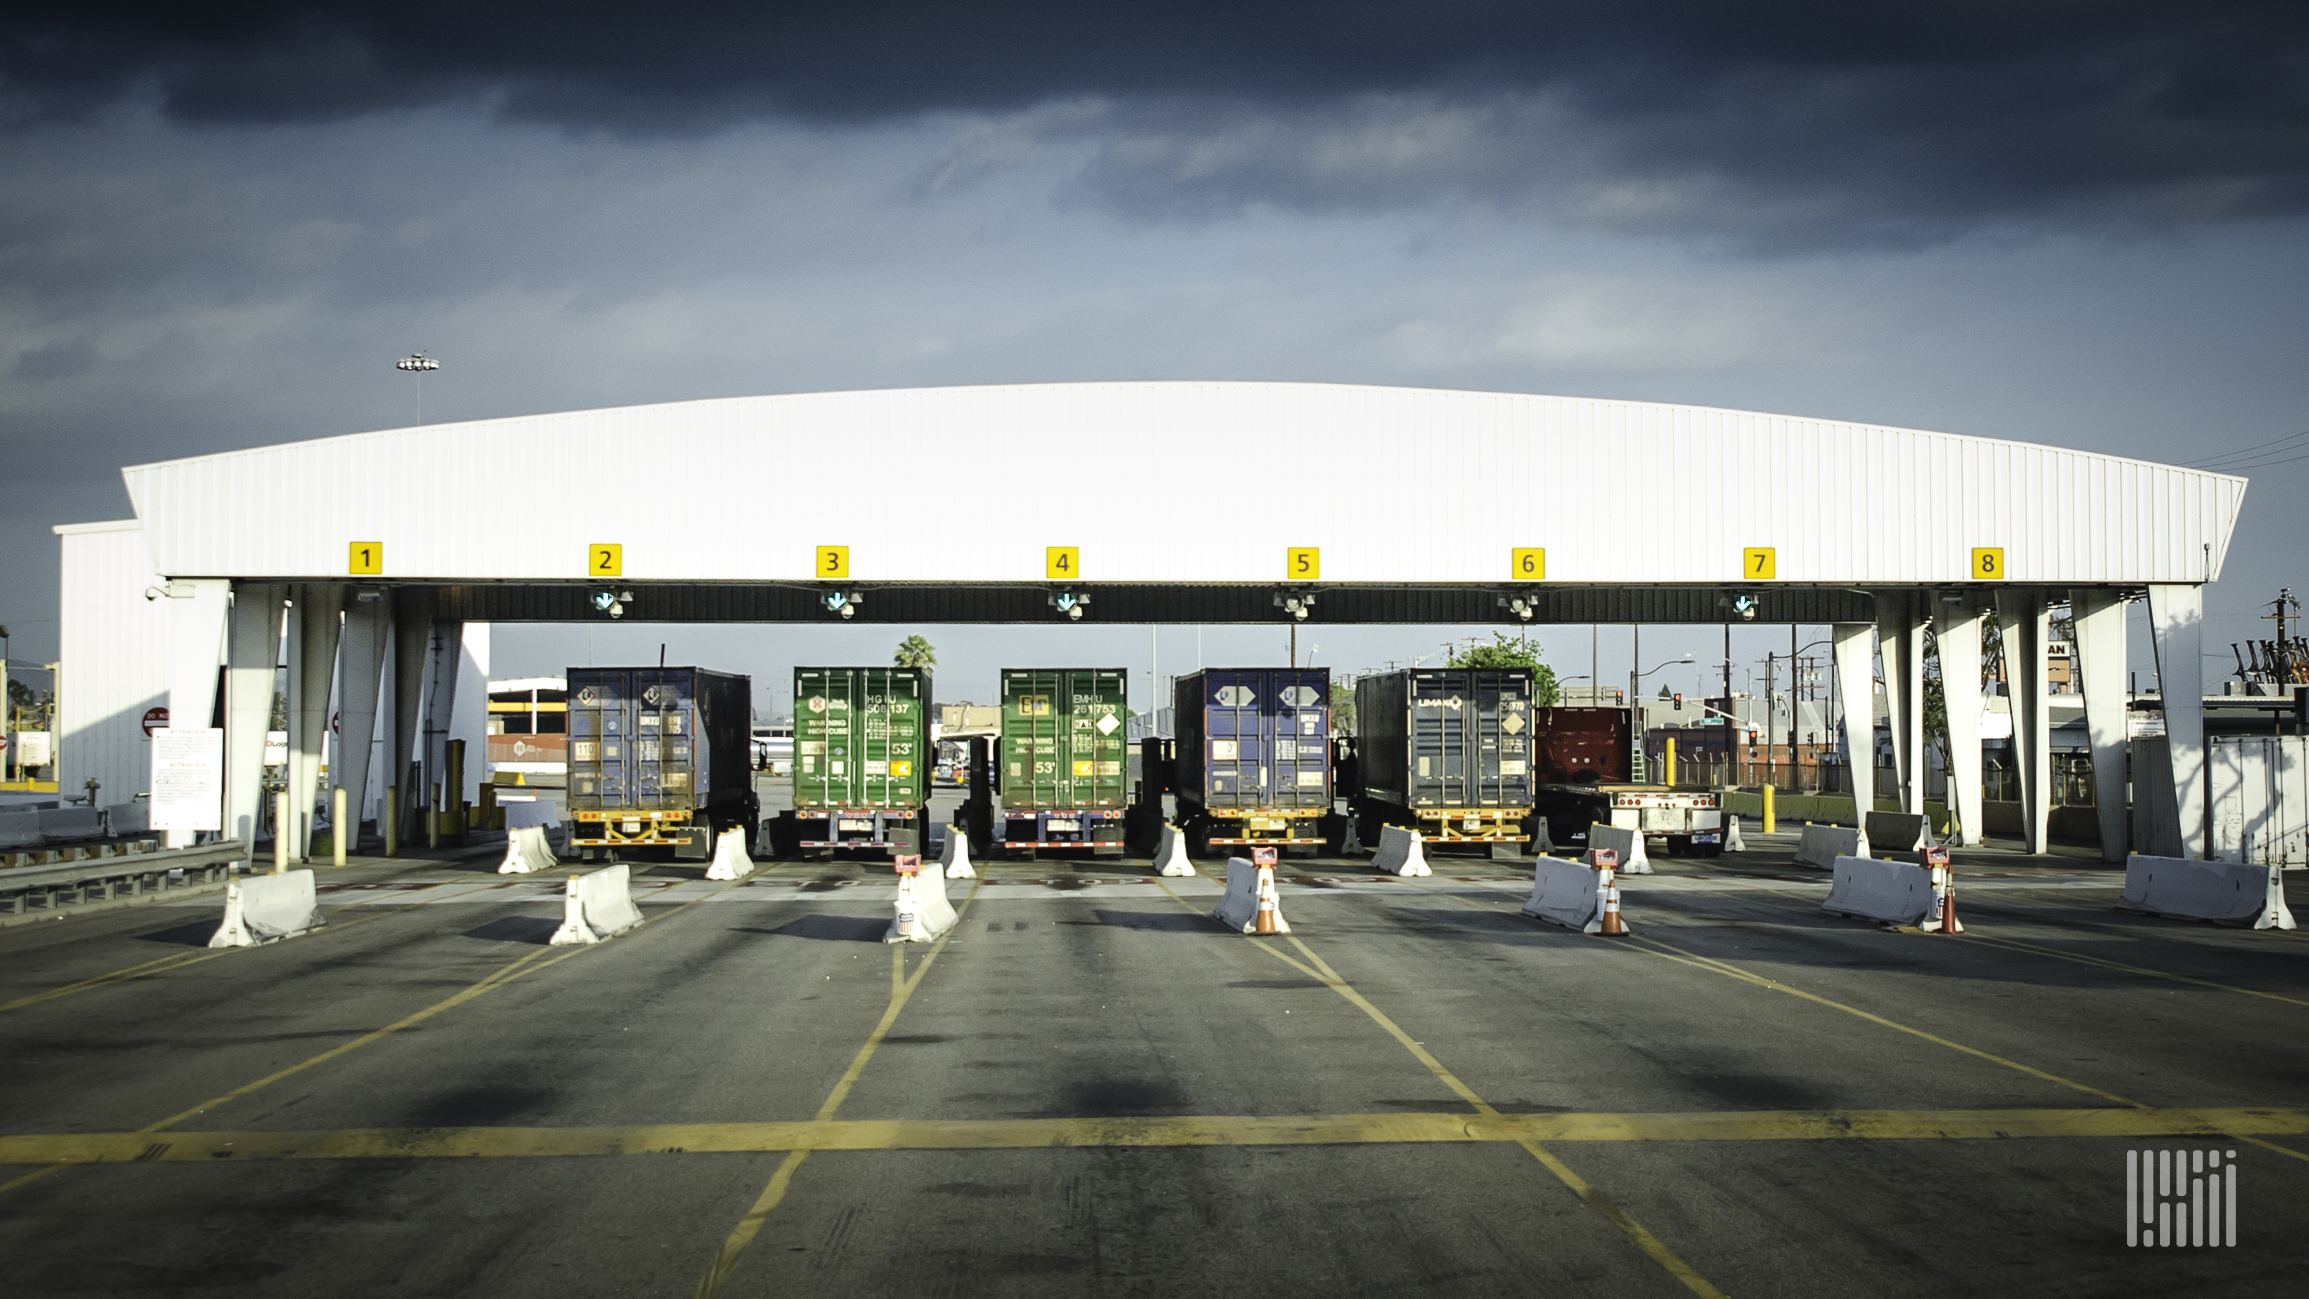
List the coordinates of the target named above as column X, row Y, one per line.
column 21, row 886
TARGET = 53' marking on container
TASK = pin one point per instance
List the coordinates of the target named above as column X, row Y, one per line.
column 1303, row 563
column 1062, row 563
column 605, row 559
column 365, row 558
column 1759, row 563
column 1988, row 563
column 1527, row 564
column 832, row 561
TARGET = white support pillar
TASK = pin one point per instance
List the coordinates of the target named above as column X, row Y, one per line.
column 360, row 677
column 2025, row 621
column 1856, row 681
column 1957, row 628
column 252, row 652
column 2100, row 643
column 320, row 620
column 198, row 611
column 412, row 633
column 469, row 714
column 2177, row 623
column 444, row 652
column 1901, row 617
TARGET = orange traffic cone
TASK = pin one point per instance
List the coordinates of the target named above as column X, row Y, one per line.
column 1612, row 926
column 1268, row 910
column 1944, row 919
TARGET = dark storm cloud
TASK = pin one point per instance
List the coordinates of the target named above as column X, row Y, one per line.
column 1794, row 122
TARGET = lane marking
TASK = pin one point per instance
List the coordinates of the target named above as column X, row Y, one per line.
column 901, row 990
column 870, row 1135
column 520, row 968
column 2019, row 945
column 1652, row 1246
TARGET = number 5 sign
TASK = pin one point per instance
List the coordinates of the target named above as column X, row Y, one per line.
column 1302, row 563
column 1988, row 563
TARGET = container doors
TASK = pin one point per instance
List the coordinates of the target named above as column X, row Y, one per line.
column 1502, row 722
column 1234, row 737
column 1034, row 704
column 664, row 740
column 1297, row 721
column 890, row 734
column 1439, row 739
column 601, row 726
column 823, row 763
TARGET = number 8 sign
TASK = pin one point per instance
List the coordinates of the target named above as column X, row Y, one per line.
column 1988, row 563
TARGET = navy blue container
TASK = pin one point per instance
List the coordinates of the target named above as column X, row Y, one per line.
column 1254, row 754
column 658, row 757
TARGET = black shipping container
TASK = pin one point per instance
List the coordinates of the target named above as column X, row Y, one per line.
column 1446, row 738
column 659, row 756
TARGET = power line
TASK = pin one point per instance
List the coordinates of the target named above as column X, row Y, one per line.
column 2258, row 448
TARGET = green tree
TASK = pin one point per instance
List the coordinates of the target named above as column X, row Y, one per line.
column 1342, row 707
column 915, row 652
column 1521, row 652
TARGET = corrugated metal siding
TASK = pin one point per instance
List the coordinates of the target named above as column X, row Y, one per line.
column 114, row 646
column 1845, row 503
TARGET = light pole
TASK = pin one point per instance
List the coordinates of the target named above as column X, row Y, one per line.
column 417, row 363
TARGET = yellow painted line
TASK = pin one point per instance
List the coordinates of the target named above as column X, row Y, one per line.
column 498, row 978
column 901, row 989
column 2014, row 944
column 1652, row 1246
column 870, row 1135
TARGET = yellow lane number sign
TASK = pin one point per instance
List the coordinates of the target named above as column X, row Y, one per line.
column 1988, row 563
column 1303, row 563
column 1527, row 564
column 1759, row 563
column 833, row 561
column 366, row 558
column 605, row 559
column 1062, row 563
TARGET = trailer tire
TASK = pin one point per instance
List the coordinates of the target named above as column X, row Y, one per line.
column 1708, row 850
column 1679, row 844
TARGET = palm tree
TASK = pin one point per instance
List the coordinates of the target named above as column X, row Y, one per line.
column 915, row 652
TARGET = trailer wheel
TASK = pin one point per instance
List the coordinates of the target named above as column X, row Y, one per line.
column 1708, row 850
column 1198, row 832
column 1679, row 844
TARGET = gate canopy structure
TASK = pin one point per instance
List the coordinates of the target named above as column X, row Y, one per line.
column 1193, row 503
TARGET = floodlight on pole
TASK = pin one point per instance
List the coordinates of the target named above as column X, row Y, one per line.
column 417, row 363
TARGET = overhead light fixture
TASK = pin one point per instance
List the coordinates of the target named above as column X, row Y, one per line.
column 1521, row 606
column 611, row 602
column 1295, row 603
column 1070, row 603
column 844, row 603
column 1743, row 605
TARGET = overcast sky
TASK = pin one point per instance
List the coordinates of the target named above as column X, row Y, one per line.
column 2072, row 223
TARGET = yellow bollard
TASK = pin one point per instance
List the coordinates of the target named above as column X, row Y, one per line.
column 1668, row 768
column 337, row 829
column 282, row 830
column 392, row 820
column 1771, row 824
column 433, row 819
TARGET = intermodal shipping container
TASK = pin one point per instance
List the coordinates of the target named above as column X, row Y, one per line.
column 862, row 756
column 1063, row 768
column 1254, row 754
column 658, row 757
column 1447, row 749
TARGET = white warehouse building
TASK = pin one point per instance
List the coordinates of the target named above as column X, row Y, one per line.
column 382, row 557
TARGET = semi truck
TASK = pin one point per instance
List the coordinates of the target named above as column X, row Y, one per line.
column 1251, row 764
column 658, row 760
column 1062, row 767
column 1446, row 751
column 862, row 755
column 1583, row 759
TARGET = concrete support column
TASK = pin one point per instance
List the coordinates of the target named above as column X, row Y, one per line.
column 2025, row 621
column 198, row 611
column 444, row 652
column 360, row 679
column 1957, row 627
column 1856, row 681
column 2100, row 643
column 1901, row 617
column 319, row 607
column 2177, row 624
column 412, row 631
column 251, row 653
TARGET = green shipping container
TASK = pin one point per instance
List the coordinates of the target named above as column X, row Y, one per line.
column 861, row 738
column 1064, row 733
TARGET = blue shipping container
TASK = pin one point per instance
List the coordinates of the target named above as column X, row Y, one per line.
column 1255, row 740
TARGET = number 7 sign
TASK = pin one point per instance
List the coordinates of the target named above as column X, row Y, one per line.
column 1758, row 563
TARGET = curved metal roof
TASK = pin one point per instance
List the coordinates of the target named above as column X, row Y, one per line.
column 1183, row 482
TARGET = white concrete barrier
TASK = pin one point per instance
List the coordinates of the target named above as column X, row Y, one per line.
column 1896, row 831
column 1889, row 892
column 267, row 909
column 730, row 861
column 19, row 829
column 1821, row 845
column 58, row 824
column 1732, row 840
column 1239, row 908
column 954, row 858
column 2227, row 893
column 1629, row 844
column 1567, row 893
column 123, row 819
column 526, row 850
column 923, row 913
column 1401, row 852
column 1171, row 854
column 597, row 905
